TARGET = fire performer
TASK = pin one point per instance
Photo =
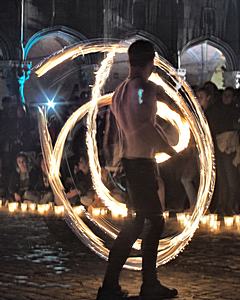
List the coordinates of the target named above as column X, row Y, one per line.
column 134, row 106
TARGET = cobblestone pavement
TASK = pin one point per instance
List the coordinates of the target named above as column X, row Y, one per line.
column 38, row 264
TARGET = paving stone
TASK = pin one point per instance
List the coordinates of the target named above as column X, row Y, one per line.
column 37, row 264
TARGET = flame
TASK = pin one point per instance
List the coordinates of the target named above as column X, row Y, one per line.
column 182, row 95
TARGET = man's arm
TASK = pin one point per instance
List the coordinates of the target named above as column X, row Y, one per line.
column 156, row 134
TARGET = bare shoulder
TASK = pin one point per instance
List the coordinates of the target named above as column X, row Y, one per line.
column 153, row 90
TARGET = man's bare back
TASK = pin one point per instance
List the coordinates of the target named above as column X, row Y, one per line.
column 134, row 106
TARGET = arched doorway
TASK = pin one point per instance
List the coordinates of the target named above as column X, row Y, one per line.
column 6, row 74
column 62, row 80
column 208, row 60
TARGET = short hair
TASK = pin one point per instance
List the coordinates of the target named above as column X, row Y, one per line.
column 140, row 53
column 23, row 155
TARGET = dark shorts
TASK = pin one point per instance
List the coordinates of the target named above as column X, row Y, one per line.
column 142, row 187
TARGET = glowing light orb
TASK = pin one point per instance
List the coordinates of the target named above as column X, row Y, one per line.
column 179, row 91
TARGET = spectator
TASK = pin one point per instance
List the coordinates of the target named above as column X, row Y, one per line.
column 222, row 119
column 42, row 187
column 80, row 185
column 190, row 173
column 23, row 180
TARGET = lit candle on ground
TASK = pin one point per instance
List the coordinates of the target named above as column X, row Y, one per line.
column 32, row 206
column 180, row 217
column 59, row 209
column 214, row 225
column 204, row 219
column 41, row 208
column 213, row 217
column 12, row 206
column 103, row 211
column 237, row 219
column 78, row 209
column 24, row 207
column 228, row 221
column 166, row 215
column 96, row 211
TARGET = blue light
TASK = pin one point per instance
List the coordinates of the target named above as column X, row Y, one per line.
column 51, row 104
column 140, row 94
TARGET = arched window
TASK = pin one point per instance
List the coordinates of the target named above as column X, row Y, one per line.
column 74, row 75
column 207, row 60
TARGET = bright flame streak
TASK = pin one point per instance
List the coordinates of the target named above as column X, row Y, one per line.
column 192, row 112
column 182, row 126
column 72, row 218
column 71, row 53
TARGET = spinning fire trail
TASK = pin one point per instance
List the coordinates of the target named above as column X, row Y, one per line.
column 179, row 91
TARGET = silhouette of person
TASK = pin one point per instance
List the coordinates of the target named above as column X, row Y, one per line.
column 134, row 106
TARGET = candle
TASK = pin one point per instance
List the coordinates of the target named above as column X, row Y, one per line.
column 24, row 207
column 103, row 211
column 96, row 211
column 12, row 206
column 214, row 225
column 237, row 219
column 204, row 219
column 59, row 209
column 228, row 221
column 78, row 209
column 166, row 215
column 180, row 217
column 41, row 208
column 32, row 206
column 213, row 217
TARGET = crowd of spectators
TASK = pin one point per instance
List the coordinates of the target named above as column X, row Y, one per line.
column 23, row 175
column 222, row 111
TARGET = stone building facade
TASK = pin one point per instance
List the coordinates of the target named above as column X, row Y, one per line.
column 33, row 29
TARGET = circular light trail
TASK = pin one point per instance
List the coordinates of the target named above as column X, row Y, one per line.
column 181, row 94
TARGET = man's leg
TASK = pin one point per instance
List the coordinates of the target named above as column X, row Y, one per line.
column 150, row 242
column 120, row 251
column 151, row 288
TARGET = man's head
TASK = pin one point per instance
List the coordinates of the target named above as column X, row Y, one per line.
column 203, row 96
column 21, row 161
column 228, row 95
column 83, row 164
column 141, row 53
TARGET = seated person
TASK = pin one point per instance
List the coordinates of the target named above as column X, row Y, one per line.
column 42, row 187
column 80, row 186
column 23, row 180
column 113, row 183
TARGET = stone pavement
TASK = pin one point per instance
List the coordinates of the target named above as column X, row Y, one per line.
column 43, row 262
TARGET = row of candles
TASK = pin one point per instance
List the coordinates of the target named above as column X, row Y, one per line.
column 211, row 221
column 30, row 207
column 50, row 208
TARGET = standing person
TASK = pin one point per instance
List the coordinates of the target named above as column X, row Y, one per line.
column 134, row 106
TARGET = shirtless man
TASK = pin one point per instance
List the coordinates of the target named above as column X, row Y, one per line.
column 134, row 106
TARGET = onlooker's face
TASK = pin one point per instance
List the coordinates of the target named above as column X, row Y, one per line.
column 227, row 97
column 22, row 163
column 83, row 166
column 203, row 99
